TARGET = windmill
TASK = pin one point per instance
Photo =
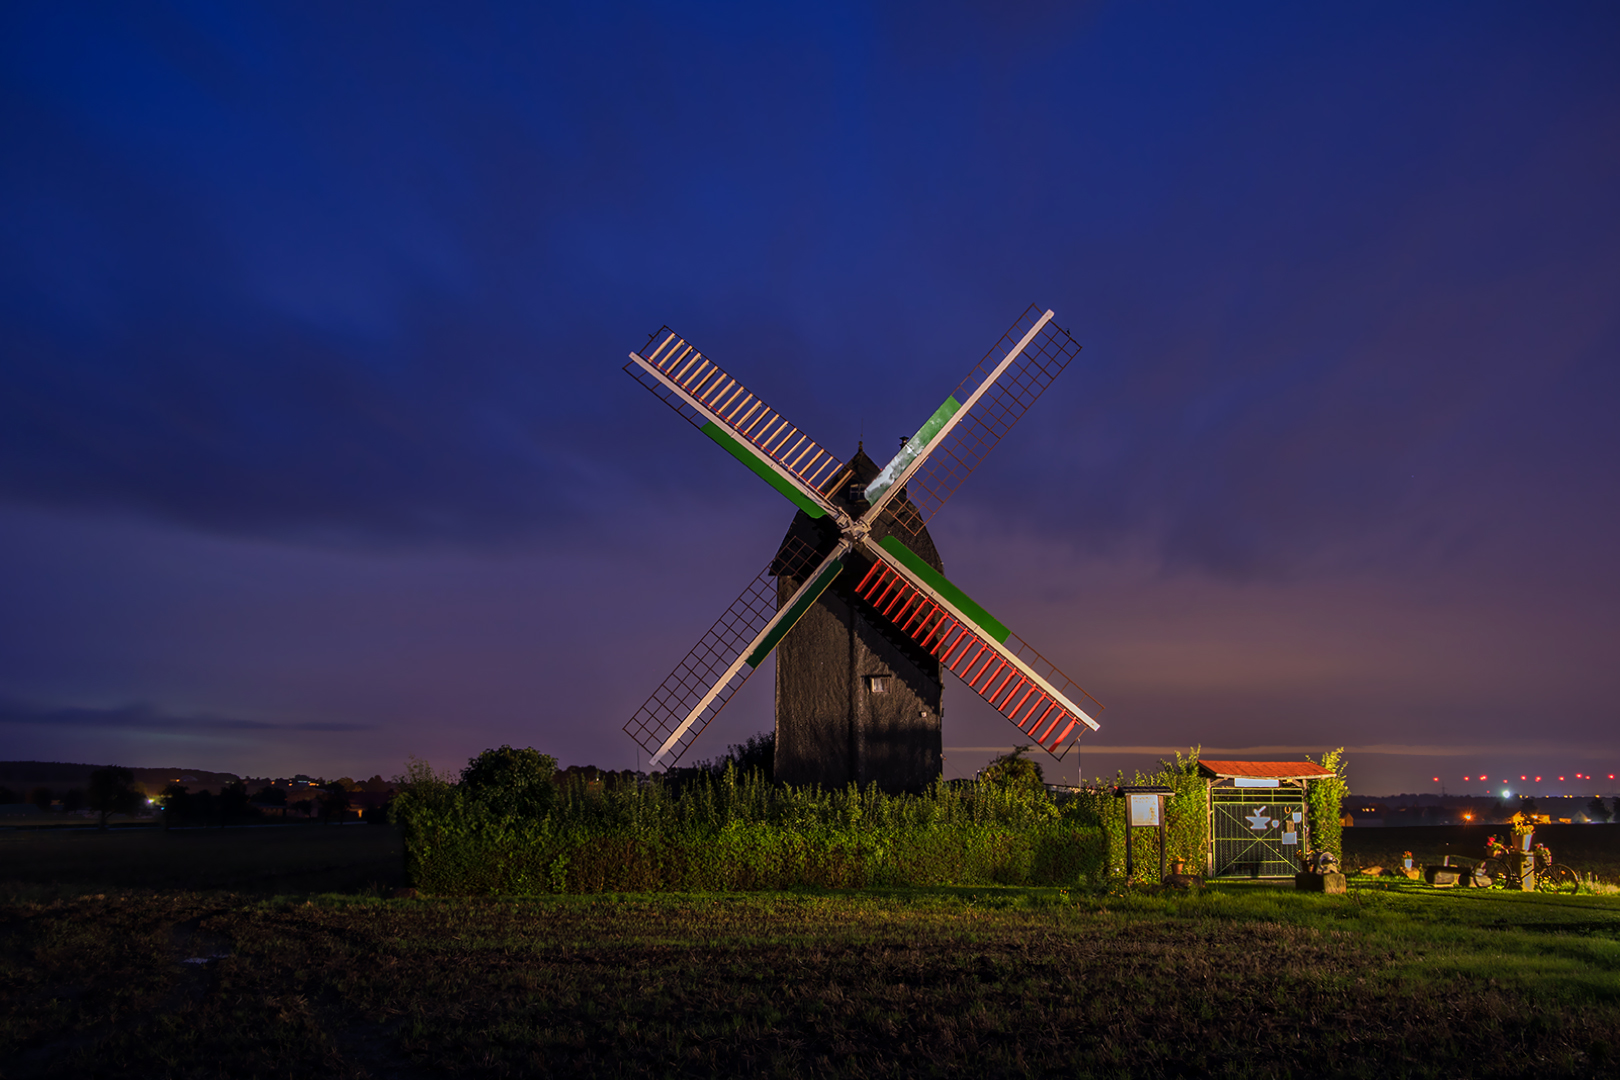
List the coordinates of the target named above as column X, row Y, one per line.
column 867, row 532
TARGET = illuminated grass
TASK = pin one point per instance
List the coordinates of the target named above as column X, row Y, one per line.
column 1242, row 981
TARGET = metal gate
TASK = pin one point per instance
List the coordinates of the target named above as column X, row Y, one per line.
column 1257, row 833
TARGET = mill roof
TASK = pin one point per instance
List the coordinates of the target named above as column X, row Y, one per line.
column 1281, row 770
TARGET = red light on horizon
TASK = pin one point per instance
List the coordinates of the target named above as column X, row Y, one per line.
column 1523, row 778
column 1538, row 779
column 1560, row 778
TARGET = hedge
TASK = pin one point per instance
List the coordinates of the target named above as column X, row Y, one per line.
column 738, row 832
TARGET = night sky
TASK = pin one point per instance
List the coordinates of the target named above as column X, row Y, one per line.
column 316, row 451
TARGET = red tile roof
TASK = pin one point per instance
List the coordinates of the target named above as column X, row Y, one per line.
column 1283, row 770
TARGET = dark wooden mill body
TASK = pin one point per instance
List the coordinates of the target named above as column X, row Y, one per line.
column 856, row 701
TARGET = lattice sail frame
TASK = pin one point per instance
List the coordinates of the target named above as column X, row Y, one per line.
column 742, row 414
column 733, row 635
column 980, row 660
column 967, row 444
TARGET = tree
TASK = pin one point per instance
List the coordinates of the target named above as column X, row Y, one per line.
column 73, row 799
column 334, row 802
column 1597, row 809
column 41, row 797
column 271, row 796
column 1324, row 800
column 755, row 754
column 1014, row 770
column 113, row 791
column 7, row 796
column 173, row 803
column 512, row 783
column 234, row 802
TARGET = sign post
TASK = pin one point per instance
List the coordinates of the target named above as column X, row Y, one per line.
column 1144, row 807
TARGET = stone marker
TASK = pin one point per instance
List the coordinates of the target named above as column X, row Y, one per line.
column 1331, row 883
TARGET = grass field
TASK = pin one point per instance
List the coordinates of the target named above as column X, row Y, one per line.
column 1244, row 980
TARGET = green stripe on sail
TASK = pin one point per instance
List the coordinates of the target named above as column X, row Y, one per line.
column 768, row 474
column 936, row 580
column 818, row 585
column 914, row 446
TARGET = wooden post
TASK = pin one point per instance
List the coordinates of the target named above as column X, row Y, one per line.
column 1161, row 839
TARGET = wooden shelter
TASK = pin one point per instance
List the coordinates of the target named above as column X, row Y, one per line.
column 1258, row 820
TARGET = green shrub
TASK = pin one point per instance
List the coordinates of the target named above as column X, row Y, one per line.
column 738, row 831
column 1186, row 817
column 1324, row 802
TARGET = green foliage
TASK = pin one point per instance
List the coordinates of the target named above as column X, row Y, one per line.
column 113, row 791
column 1014, row 770
column 1186, row 817
column 511, row 783
column 738, row 831
column 755, row 754
column 1324, row 801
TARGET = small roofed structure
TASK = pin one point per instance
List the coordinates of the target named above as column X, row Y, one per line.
column 1258, row 820
column 1260, row 770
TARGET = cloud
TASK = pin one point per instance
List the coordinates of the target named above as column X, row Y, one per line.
column 144, row 718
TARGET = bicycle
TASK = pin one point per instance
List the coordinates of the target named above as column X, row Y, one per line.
column 1546, row 875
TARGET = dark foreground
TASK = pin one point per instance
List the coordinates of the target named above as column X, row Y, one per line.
column 1243, row 981
column 259, row 859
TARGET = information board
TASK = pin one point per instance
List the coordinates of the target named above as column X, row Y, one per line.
column 1142, row 809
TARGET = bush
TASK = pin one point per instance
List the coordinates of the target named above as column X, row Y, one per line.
column 1324, row 801
column 733, row 831
column 1014, row 770
column 1186, row 817
column 511, row 783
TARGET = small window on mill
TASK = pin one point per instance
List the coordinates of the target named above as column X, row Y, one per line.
column 877, row 684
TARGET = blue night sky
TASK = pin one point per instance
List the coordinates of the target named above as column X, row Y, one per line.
column 315, row 450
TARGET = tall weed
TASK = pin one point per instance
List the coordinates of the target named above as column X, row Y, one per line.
column 738, row 831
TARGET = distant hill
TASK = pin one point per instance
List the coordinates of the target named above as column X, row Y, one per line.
column 60, row 776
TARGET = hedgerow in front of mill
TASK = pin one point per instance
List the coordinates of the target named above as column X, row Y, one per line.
column 733, row 831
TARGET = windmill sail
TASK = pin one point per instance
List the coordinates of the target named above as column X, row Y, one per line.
column 963, row 431
column 748, row 429
column 974, row 646
column 915, row 599
column 738, row 643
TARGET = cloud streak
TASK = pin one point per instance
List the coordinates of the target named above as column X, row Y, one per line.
column 144, row 718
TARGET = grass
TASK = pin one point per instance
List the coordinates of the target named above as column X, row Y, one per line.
column 1392, row 980
column 216, row 952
